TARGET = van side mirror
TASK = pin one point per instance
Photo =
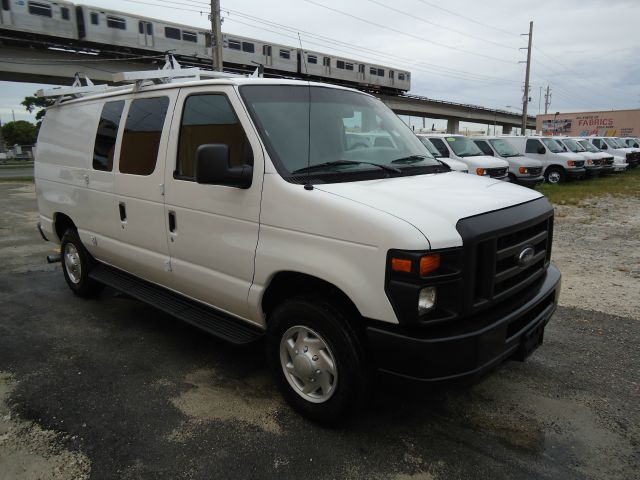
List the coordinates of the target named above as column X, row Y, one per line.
column 212, row 167
column 542, row 150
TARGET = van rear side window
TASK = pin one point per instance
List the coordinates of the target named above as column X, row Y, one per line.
column 142, row 132
column 209, row 119
column 106, row 135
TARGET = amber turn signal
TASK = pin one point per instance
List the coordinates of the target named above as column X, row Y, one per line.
column 401, row 265
column 480, row 171
column 429, row 263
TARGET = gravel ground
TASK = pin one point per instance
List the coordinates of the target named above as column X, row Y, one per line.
column 111, row 388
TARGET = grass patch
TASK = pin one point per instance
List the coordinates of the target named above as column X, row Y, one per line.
column 16, row 180
column 625, row 184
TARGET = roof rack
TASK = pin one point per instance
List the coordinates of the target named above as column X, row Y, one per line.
column 171, row 72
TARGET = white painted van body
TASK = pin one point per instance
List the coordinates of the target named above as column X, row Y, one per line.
column 452, row 163
column 523, row 170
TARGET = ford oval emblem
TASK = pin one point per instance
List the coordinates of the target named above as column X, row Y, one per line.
column 525, row 256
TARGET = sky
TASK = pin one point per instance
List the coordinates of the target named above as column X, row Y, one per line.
column 463, row 51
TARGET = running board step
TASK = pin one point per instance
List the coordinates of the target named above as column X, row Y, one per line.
column 211, row 321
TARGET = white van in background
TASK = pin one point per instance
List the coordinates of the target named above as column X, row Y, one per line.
column 610, row 162
column 452, row 163
column 523, row 170
column 632, row 142
column 613, row 146
column 459, row 147
column 557, row 164
column 593, row 161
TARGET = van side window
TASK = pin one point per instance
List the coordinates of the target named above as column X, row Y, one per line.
column 106, row 135
column 209, row 119
column 484, row 146
column 439, row 144
column 141, row 138
column 533, row 146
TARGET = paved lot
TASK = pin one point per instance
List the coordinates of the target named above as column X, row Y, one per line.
column 16, row 172
column 111, row 388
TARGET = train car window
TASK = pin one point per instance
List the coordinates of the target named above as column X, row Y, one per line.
column 64, row 12
column 373, row 71
column 105, row 142
column 326, row 61
column 401, row 76
column 266, row 50
column 361, row 68
column 141, row 28
column 94, row 18
column 141, row 138
column 235, row 45
column 248, row 47
column 173, row 33
column 5, row 4
column 285, row 54
column 348, row 66
column 209, row 118
column 408, row 76
column 116, row 22
column 340, row 64
column 381, row 72
column 312, row 59
column 41, row 9
column 149, row 28
column 390, row 73
column 189, row 37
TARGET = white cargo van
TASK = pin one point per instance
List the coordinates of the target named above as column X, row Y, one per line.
column 557, row 164
column 612, row 146
column 610, row 163
column 631, row 142
column 461, row 148
column 235, row 205
column 523, row 170
column 452, row 163
column 592, row 161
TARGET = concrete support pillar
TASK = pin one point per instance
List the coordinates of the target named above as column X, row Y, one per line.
column 506, row 129
column 453, row 126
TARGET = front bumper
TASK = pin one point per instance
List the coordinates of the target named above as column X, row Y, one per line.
column 593, row 171
column 469, row 348
column 575, row 172
column 529, row 181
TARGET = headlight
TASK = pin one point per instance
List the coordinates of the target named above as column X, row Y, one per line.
column 481, row 171
column 426, row 300
column 571, row 163
column 523, row 170
column 589, row 162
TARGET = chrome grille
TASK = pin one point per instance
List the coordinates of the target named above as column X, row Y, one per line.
column 534, row 170
column 497, row 172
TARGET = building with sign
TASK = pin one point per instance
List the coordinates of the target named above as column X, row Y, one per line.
column 610, row 123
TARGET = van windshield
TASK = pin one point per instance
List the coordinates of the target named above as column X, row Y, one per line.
column 463, row 147
column 572, row 145
column 552, row 145
column 333, row 132
column 504, row 149
column 613, row 143
column 588, row 146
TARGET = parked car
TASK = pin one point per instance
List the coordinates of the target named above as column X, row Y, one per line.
column 452, row 163
column 235, row 205
column 593, row 161
column 523, row 170
column 461, row 148
column 557, row 164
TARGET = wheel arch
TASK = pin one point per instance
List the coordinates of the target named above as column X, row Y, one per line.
column 61, row 223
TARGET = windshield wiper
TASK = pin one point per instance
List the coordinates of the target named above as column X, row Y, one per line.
column 410, row 159
column 322, row 166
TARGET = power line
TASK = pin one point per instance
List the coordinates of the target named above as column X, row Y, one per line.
column 410, row 35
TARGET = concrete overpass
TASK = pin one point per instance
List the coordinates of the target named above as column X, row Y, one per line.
column 36, row 61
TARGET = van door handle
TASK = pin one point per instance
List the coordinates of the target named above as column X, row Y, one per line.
column 123, row 212
column 172, row 222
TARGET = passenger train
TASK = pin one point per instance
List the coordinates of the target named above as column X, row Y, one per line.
column 96, row 27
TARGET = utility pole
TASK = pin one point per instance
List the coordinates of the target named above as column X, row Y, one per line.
column 547, row 100
column 216, row 35
column 525, row 98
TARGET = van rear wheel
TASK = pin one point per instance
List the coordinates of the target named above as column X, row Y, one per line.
column 554, row 175
column 316, row 358
column 76, row 265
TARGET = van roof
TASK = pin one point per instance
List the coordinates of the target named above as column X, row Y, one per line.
column 234, row 81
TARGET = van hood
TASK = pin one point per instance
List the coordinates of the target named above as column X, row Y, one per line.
column 484, row 161
column 434, row 203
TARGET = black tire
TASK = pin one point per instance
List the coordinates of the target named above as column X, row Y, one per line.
column 554, row 175
column 73, row 254
column 331, row 323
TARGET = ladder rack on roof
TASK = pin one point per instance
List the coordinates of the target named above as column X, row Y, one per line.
column 170, row 73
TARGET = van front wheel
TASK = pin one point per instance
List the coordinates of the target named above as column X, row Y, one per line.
column 76, row 264
column 554, row 175
column 316, row 358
